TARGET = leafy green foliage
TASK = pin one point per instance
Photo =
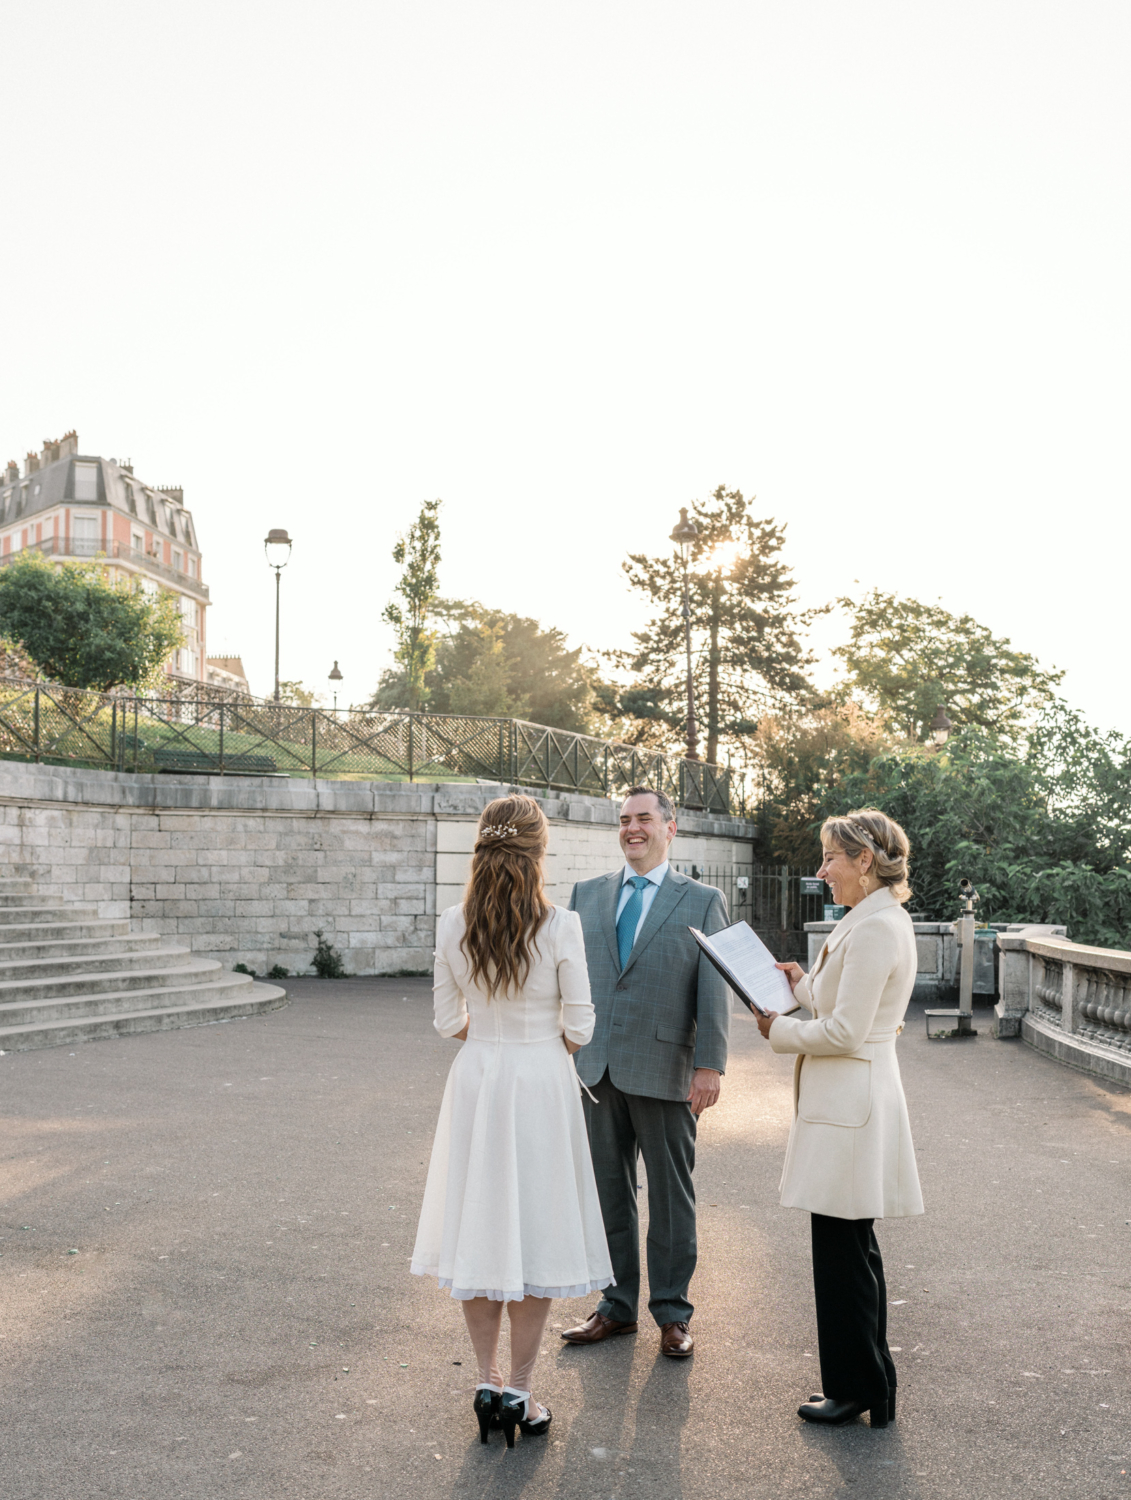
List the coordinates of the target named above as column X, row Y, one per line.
column 327, row 961
column 82, row 630
column 298, row 695
column 419, row 553
column 746, row 645
column 1025, row 830
column 905, row 659
column 499, row 664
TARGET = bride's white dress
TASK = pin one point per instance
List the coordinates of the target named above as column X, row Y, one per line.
column 510, row 1206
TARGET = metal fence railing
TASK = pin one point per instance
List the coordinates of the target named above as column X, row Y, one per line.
column 225, row 735
column 769, row 897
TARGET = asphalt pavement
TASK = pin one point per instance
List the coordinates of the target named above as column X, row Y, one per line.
column 204, row 1246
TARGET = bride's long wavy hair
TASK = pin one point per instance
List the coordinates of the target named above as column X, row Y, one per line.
column 505, row 903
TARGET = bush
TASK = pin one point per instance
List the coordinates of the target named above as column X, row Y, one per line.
column 276, row 971
column 243, row 969
column 327, row 961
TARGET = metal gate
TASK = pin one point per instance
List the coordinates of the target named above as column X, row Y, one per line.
column 769, row 897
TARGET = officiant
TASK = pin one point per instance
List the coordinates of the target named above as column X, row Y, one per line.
column 850, row 1159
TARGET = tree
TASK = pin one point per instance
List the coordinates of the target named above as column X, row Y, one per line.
column 84, row 631
column 297, row 695
column 802, row 760
column 906, row 659
column 747, row 652
column 494, row 663
column 419, row 553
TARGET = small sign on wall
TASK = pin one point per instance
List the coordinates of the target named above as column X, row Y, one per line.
column 834, row 913
column 812, row 885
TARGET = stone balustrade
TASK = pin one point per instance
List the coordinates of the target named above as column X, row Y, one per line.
column 1068, row 1000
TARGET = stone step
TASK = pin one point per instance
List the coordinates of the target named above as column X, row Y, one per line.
column 33, row 932
column 16, row 885
column 123, row 942
column 42, row 912
column 14, row 899
column 198, row 971
column 196, row 1005
column 119, row 960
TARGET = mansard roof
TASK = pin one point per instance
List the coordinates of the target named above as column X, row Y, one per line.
column 161, row 510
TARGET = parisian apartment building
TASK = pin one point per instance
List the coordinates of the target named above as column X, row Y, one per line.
column 68, row 504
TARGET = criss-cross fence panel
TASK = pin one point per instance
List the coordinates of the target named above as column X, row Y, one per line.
column 232, row 735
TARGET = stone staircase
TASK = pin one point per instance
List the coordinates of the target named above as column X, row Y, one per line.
column 68, row 975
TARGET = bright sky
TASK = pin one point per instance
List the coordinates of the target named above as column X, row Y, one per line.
column 569, row 265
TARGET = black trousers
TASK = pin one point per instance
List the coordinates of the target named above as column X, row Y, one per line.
column 622, row 1128
column 852, row 1311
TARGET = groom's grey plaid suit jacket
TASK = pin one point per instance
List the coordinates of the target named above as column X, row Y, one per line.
column 669, row 1011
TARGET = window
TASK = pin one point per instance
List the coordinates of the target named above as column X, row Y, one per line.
column 131, row 500
column 192, row 567
column 86, row 481
column 84, row 531
column 23, row 500
column 138, row 542
column 152, row 514
column 178, row 561
column 188, row 662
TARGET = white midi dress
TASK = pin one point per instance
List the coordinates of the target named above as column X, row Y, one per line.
column 510, row 1205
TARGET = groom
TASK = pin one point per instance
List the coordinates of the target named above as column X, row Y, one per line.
column 655, row 1061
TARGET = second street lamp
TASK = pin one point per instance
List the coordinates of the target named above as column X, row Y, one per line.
column 335, row 678
column 277, row 548
column 684, row 536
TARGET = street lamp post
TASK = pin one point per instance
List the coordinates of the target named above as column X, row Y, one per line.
column 277, row 548
column 335, row 678
column 684, row 536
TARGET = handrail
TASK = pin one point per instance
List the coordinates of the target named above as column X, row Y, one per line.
column 223, row 734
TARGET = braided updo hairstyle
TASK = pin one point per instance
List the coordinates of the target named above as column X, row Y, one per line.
column 869, row 829
column 505, row 903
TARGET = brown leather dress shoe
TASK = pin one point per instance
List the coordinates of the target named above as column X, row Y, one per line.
column 595, row 1329
column 676, row 1341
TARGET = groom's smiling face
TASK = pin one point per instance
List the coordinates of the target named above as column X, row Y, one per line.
column 645, row 834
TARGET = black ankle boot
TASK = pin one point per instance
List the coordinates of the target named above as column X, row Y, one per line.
column 836, row 1413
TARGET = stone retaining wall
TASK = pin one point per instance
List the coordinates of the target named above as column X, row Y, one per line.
column 244, row 870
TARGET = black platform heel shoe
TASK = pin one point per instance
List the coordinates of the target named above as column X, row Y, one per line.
column 486, row 1408
column 512, row 1414
column 835, row 1413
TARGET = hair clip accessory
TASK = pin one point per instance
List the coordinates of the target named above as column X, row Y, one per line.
column 497, row 831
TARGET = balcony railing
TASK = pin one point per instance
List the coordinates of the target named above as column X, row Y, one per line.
column 79, row 546
column 200, row 733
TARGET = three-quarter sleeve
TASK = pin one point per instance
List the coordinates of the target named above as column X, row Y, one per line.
column 870, row 957
column 578, row 1015
column 448, row 1002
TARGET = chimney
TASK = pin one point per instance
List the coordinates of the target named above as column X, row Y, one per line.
column 12, row 472
column 174, row 492
column 50, row 452
column 31, row 463
column 69, row 444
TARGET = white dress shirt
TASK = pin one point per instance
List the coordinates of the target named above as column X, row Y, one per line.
column 656, row 877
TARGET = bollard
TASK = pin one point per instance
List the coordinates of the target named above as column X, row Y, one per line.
column 963, row 1017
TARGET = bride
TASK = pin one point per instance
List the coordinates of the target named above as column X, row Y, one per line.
column 510, row 1212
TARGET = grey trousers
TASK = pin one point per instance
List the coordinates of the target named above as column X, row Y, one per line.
column 623, row 1127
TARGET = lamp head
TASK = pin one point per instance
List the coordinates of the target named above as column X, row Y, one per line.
column 686, row 532
column 335, row 675
column 940, row 726
column 277, row 547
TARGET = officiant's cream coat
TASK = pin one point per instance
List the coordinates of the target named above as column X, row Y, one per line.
column 850, row 1153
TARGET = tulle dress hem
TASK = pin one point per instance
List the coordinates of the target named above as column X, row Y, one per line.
column 495, row 1294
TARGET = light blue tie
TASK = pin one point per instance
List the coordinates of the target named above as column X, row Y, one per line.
column 630, row 916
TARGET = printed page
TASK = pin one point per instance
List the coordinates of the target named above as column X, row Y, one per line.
column 751, row 962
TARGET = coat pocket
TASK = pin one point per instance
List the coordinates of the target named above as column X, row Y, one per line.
column 835, row 1091
column 674, row 1034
